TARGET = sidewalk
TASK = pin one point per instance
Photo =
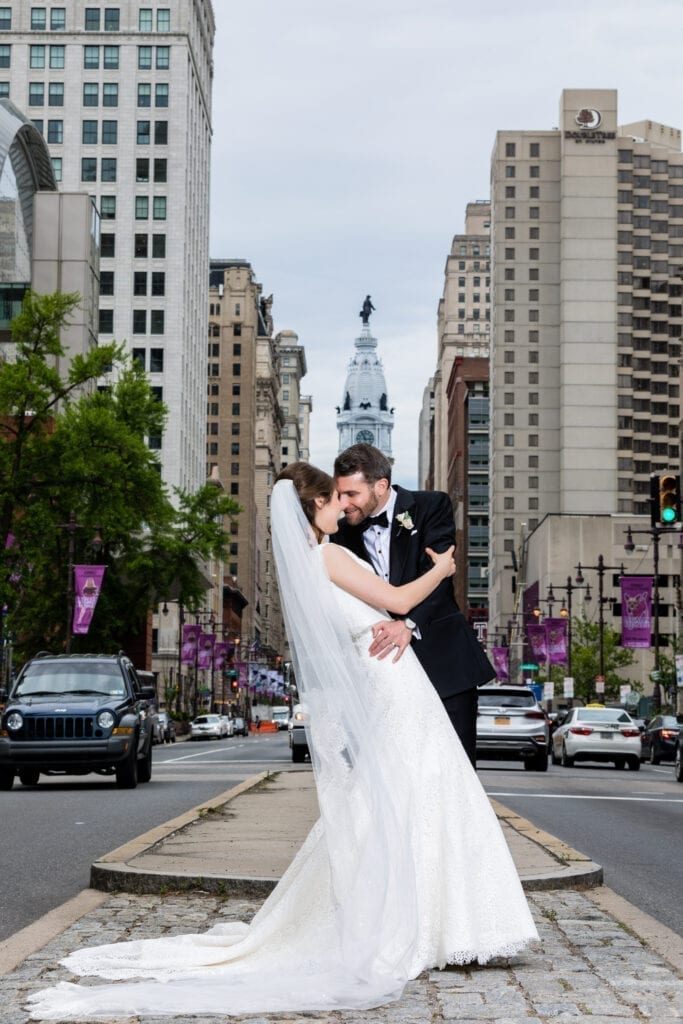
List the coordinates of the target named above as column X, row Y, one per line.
column 600, row 960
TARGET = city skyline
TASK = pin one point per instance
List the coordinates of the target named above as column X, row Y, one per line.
column 356, row 139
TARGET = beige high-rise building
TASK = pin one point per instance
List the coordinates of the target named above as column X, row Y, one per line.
column 463, row 323
column 587, row 249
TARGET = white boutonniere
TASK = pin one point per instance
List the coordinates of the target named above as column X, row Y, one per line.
column 404, row 519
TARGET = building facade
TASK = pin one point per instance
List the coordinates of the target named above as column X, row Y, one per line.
column 587, row 247
column 364, row 415
column 122, row 96
column 463, row 321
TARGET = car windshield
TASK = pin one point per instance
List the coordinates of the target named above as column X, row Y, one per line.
column 669, row 722
column 602, row 715
column 506, row 700
column 67, row 677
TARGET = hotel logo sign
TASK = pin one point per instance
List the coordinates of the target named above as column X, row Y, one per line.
column 588, row 122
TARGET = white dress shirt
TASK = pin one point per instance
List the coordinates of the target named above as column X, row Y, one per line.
column 377, row 540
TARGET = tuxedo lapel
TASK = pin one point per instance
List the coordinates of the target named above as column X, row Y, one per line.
column 401, row 538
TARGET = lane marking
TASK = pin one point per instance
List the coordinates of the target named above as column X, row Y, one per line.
column 578, row 796
column 233, row 764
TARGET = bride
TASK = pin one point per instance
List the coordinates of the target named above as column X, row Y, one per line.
column 406, row 868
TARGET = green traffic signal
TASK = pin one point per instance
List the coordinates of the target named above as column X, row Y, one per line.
column 669, row 499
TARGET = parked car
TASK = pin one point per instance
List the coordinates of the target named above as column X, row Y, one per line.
column 298, row 740
column 240, row 727
column 512, row 726
column 597, row 733
column 207, row 727
column 167, row 727
column 659, row 739
column 76, row 714
column 228, row 724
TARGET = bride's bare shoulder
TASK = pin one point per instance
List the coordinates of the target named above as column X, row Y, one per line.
column 337, row 557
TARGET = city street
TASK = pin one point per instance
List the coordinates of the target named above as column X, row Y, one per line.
column 625, row 821
column 629, row 822
column 52, row 834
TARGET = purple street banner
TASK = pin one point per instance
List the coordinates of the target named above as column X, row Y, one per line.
column 188, row 652
column 87, row 584
column 636, row 611
column 220, row 655
column 242, row 672
column 537, row 641
column 501, row 661
column 556, row 640
column 205, row 656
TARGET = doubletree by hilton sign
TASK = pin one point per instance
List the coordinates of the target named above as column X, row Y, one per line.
column 589, row 122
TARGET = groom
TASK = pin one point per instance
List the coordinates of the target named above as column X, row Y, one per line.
column 390, row 527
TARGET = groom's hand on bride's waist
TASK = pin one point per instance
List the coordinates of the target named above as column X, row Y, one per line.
column 389, row 636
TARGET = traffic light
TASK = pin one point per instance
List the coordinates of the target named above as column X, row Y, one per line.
column 666, row 499
column 234, row 685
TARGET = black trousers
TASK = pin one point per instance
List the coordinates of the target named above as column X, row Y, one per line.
column 462, row 711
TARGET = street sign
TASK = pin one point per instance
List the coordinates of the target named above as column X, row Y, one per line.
column 529, row 668
column 568, row 686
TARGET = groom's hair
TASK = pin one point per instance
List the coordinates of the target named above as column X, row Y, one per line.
column 365, row 459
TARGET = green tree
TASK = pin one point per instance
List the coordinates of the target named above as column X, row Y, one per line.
column 69, row 447
column 586, row 660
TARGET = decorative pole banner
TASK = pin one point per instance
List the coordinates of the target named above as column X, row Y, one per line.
column 501, row 661
column 636, row 611
column 556, row 637
column 537, row 641
column 87, row 584
column 220, row 655
column 205, row 656
column 190, row 640
column 243, row 672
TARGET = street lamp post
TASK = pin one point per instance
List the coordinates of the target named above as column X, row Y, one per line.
column 566, row 610
column 96, row 544
column 601, row 569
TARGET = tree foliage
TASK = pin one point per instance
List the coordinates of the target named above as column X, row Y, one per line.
column 69, row 447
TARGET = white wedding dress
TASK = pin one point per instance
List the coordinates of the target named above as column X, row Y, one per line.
column 406, row 869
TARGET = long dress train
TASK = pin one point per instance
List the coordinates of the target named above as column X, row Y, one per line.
column 406, row 869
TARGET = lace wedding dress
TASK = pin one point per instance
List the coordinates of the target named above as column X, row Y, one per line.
column 406, row 869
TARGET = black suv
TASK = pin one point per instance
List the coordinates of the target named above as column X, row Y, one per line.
column 75, row 714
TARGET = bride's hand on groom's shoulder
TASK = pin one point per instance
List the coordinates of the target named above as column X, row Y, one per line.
column 443, row 561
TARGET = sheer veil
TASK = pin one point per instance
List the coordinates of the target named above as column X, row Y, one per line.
column 358, row 773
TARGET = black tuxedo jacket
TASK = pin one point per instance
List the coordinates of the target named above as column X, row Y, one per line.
column 448, row 648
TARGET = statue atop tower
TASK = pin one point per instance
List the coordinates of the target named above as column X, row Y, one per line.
column 367, row 309
column 364, row 415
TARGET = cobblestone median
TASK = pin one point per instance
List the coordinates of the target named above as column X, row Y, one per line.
column 587, row 969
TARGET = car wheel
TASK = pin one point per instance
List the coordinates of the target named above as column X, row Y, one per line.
column 634, row 764
column 29, row 776
column 127, row 770
column 145, row 766
column 620, row 763
column 654, row 759
column 567, row 761
column 537, row 763
column 172, row 739
column 6, row 778
column 298, row 755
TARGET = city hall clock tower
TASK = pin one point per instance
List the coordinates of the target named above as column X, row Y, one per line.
column 364, row 415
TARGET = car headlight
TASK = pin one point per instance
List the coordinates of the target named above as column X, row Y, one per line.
column 105, row 720
column 14, row 721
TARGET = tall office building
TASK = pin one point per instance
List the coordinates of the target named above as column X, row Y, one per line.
column 122, row 95
column 463, row 320
column 587, row 319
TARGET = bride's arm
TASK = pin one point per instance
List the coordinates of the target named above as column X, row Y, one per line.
column 347, row 574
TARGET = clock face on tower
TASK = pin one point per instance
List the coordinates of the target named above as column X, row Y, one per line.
column 365, row 437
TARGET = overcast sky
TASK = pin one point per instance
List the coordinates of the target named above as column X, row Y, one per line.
column 348, row 138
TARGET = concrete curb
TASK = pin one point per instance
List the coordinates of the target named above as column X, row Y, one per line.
column 574, row 870
column 113, row 873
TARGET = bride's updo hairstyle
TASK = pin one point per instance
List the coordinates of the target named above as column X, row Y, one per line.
column 309, row 483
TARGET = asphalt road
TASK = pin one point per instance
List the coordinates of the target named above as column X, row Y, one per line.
column 52, row 833
column 630, row 822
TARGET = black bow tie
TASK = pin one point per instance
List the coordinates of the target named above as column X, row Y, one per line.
column 380, row 520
